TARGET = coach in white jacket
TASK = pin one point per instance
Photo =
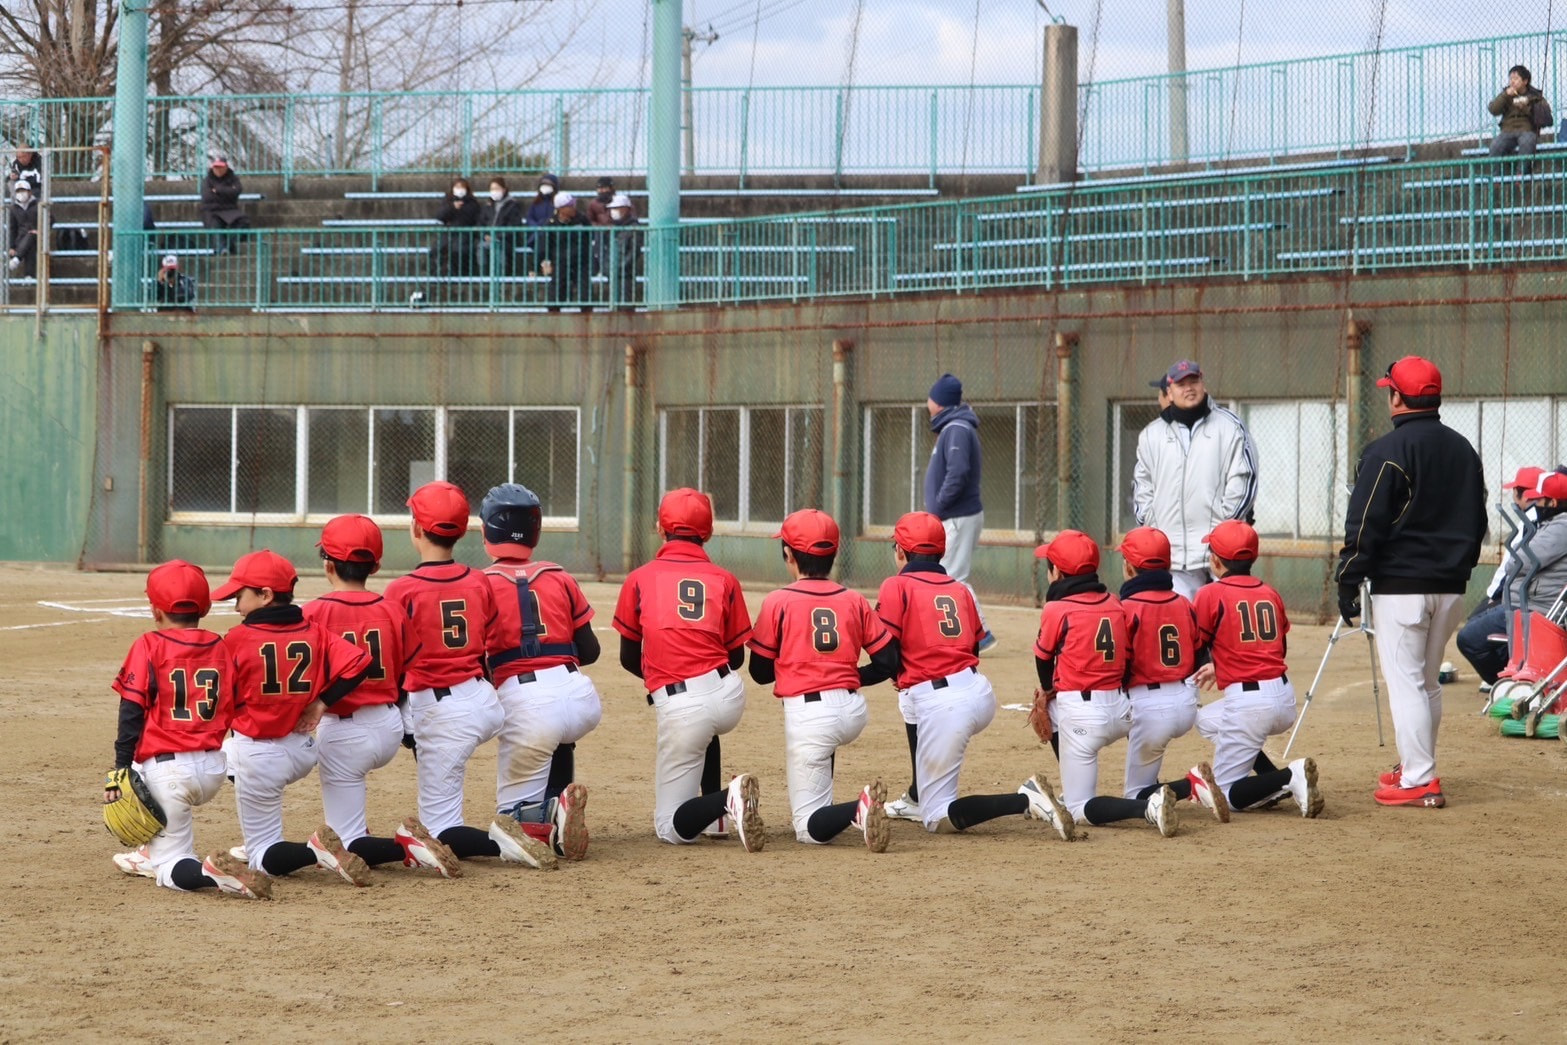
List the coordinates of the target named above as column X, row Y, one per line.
column 1196, row 467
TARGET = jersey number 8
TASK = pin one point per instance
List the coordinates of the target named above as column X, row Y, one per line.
column 824, row 630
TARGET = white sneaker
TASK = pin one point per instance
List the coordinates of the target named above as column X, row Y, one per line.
column 1163, row 812
column 1044, row 805
column 1303, row 787
column 333, row 855
column 236, row 878
column 518, row 847
column 904, row 808
column 870, row 817
column 745, row 796
column 571, row 829
column 421, row 849
column 1206, row 792
column 238, row 853
column 718, row 829
column 135, row 862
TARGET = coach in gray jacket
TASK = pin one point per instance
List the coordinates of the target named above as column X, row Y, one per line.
column 1196, row 467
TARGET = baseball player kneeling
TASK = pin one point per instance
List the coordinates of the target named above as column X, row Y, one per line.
column 1083, row 654
column 546, row 631
column 1241, row 623
column 940, row 689
column 807, row 643
column 683, row 624
column 176, row 692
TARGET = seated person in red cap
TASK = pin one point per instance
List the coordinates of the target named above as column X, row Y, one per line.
column 1083, row 654
column 1241, row 624
column 290, row 672
column 176, row 692
column 807, row 644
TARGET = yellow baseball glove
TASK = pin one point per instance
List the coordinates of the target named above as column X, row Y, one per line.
column 129, row 810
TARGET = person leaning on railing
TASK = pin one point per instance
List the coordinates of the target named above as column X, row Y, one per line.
column 220, row 209
column 1524, row 112
column 22, row 233
column 566, row 248
column 453, row 251
column 501, row 212
column 626, row 253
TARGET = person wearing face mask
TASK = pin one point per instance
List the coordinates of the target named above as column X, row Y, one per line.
column 566, row 248
column 626, row 255
column 541, row 211
column 27, row 167
column 220, row 209
column 503, row 211
column 22, row 239
column 454, row 250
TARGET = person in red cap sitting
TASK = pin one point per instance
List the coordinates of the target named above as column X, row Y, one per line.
column 1414, row 528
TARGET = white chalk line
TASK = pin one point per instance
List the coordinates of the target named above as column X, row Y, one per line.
column 53, row 624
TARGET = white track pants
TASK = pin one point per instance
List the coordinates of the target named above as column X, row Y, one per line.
column 1412, row 633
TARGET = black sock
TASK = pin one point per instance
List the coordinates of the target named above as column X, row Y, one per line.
column 712, row 771
column 468, row 842
column 965, row 812
column 283, row 858
column 1263, row 764
column 829, row 822
column 913, row 731
column 1109, row 810
column 1181, row 787
column 1055, row 745
column 188, row 875
column 563, row 770
column 1248, row 791
column 373, row 850
column 693, row 817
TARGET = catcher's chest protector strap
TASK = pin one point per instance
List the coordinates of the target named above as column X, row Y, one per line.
column 532, row 648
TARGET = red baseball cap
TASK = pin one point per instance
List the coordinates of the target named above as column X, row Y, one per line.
column 1552, row 485
column 686, row 513
column 440, row 508
column 1233, row 539
column 1072, row 552
column 1146, row 548
column 351, row 538
column 811, row 531
column 1528, row 478
column 922, row 533
column 263, row 569
column 179, row 587
column 1413, row 376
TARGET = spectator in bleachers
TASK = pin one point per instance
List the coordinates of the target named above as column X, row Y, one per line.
column 29, row 167
column 22, row 232
column 453, row 252
column 565, row 246
column 1524, row 112
column 174, row 290
column 598, row 206
column 541, row 211
column 501, row 213
column 220, row 207
column 626, row 253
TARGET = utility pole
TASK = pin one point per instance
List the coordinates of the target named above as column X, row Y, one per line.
column 1176, row 45
column 688, row 121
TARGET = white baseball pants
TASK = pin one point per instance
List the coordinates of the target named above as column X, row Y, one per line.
column 1412, row 632
column 447, row 732
column 1188, row 581
column 189, row 779
column 262, row 769
column 558, row 707
column 962, row 537
column 948, row 718
column 813, row 733
column 1158, row 717
column 347, row 751
column 1084, row 727
column 1241, row 721
column 687, row 723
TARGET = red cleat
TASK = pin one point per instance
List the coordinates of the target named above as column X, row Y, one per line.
column 1392, row 778
column 1428, row 795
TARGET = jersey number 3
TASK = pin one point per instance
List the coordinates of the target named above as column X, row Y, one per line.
column 950, row 625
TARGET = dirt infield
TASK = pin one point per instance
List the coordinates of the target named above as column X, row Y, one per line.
column 1367, row 924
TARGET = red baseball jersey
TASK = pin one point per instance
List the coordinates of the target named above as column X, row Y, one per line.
column 556, row 603
column 452, row 623
column 935, row 621
column 184, row 678
column 1086, row 637
column 687, row 612
column 283, row 667
column 375, row 626
column 1242, row 620
column 1163, row 629
column 814, row 630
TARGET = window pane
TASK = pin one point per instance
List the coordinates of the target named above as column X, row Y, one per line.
column 768, row 496
column 338, row 458
column 721, row 462
column 681, row 439
column 1037, row 486
column 476, row 457
column 1132, row 419
column 199, row 463
column 889, row 464
column 404, row 457
column 267, row 446
column 547, row 458
column 807, row 436
column 998, row 464
column 1276, row 429
column 1513, row 433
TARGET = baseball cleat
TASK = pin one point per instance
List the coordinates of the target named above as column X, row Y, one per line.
column 1044, row 805
column 238, row 853
column 1207, row 793
column 518, row 847
column 333, row 855
column 1303, row 787
column 870, row 817
column 421, row 849
column 718, row 829
column 135, row 862
column 741, row 806
column 236, row 878
column 1163, row 812
column 1392, row 778
column 571, row 827
column 904, row 808
column 1428, row 795
column 987, row 644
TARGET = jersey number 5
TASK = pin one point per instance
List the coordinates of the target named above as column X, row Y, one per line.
column 950, row 625
column 454, row 623
column 207, row 681
column 824, row 630
column 692, row 600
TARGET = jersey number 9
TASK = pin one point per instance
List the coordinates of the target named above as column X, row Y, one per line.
column 692, row 600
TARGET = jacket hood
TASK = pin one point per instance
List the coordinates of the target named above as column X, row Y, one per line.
column 961, row 412
column 550, row 179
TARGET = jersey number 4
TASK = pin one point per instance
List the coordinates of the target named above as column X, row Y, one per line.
column 299, row 655
column 1104, row 640
column 206, row 681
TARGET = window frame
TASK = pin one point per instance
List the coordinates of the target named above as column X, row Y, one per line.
column 743, row 523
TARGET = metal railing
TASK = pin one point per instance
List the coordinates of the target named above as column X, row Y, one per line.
column 1464, row 213
column 1312, row 105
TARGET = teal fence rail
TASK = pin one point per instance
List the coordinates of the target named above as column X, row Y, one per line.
column 1465, row 213
column 1312, row 105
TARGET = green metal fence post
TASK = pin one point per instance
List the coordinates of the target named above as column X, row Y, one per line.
column 558, row 149
column 467, row 136
column 933, row 134
column 130, row 150
column 378, row 137
column 745, row 131
column 288, row 143
column 837, row 142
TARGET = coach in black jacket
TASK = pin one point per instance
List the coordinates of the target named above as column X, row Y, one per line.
column 1415, row 524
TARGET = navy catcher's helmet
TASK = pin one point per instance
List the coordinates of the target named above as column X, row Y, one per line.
column 511, row 515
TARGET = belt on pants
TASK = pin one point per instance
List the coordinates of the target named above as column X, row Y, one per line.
column 1252, row 687
column 1087, row 694
column 674, row 689
column 167, row 756
column 533, row 676
column 946, row 680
